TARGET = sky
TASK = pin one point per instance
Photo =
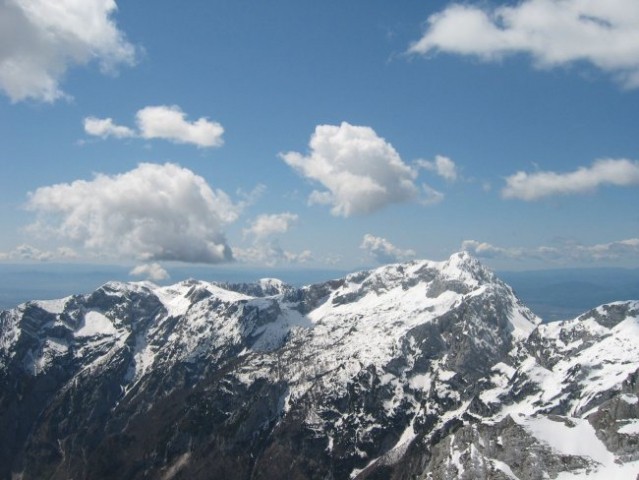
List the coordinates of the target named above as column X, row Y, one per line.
column 304, row 134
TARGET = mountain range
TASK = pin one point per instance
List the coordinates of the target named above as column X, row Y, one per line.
column 424, row 370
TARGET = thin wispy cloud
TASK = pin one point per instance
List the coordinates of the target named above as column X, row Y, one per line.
column 538, row 185
column 360, row 171
column 31, row 253
column 567, row 252
column 442, row 166
column 151, row 213
column 40, row 40
column 430, row 196
column 265, row 249
column 161, row 122
column 270, row 253
column 553, row 32
column 384, row 251
column 267, row 225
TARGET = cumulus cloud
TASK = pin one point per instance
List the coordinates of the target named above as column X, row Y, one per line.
column 29, row 252
column 442, row 166
column 360, row 171
column 104, row 127
column 383, row 251
column 537, row 185
column 151, row 213
column 151, row 271
column 169, row 123
column 564, row 253
column 163, row 122
column 552, row 32
column 271, row 224
column 40, row 40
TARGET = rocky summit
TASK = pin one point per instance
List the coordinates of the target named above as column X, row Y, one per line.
column 422, row 370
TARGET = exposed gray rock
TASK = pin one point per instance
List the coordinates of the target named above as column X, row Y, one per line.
column 421, row 370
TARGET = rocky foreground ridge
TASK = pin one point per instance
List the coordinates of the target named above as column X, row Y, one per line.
column 425, row 370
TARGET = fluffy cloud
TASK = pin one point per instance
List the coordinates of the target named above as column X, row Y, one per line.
column 169, row 123
column 267, row 225
column 383, row 251
column 565, row 253
column 104, row 127
column 152, row 271
column 151, row 213
column 553, row 32
column 360, row 171
column 41, row 39
column 442, row 166
column 164, row 122
column 533, row 186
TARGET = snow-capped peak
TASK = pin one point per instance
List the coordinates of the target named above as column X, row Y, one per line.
column 464, row 267
column 273, row 286
column 359, row 369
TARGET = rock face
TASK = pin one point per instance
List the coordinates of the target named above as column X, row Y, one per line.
column 425, row 370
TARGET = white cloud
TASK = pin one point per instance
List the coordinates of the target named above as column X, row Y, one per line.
column 383, row 251
column 163, row 122
column 563, row 253
column 612, row 250
column 152, row 271
column 486, row 250
column 431, row 196
column 151, row 213
column 553, row 32
column 169, row 123
column 270, row 253
column 29, row 252
column 361, row 171
column 533, row 186
column 442, row 166
column 271, row 224
column 104, row 127
column 251, row 197
column 265, row 249
column 41, row 39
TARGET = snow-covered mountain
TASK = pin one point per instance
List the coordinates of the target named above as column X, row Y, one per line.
column 430, row 370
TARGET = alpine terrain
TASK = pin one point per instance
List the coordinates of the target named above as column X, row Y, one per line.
column 422, row 370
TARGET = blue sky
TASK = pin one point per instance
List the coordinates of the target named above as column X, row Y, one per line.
column 319, row 134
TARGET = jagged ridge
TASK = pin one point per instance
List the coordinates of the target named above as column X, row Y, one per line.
column 377, row 374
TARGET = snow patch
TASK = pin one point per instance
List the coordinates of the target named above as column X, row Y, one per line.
column 627, row 471
column 420, row 382
column 504, row 468
column 630, row 428
column 53, row 306
column 575, row 436
column 95, row 324
column 445, row 375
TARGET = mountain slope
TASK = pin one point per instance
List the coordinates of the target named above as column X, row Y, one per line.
column 407, row 371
